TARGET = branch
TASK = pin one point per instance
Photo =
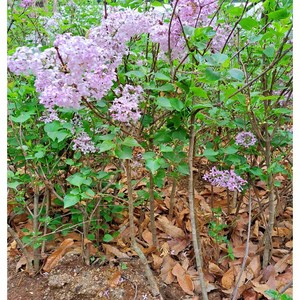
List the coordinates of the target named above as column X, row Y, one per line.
column 235, row 292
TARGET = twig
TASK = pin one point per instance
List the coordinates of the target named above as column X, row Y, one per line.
column 235, row 292
column 195, row 235
column 286, row 287
column 22, row 247
column 153, row 285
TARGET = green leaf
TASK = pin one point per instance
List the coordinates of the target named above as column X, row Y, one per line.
column 107, row 137
column 124, row 152
column 138, row 74
column 219, row 58
column 198, row 91
column 54, row 131
column 272, row 293
column 248, row 23
column 39, row 154
column 130, row 142
column 236, row 74
column 212, row 75
column 70, row 200
column 23, row 117
column 210, row 152
column 269, row 51
column 14, row 185
column 153, row 165
column 285, row 297
column 164, row 148
column 177, row 104
column 106, row 145
column 59, row 135
column 102, row 174
column 148, row 155
column 76, row 179
column 164, row 102
column 107, row 238
column 279, row 14
column 156, row 3
column 230, row 150
column 161, row 76
column 183, row 168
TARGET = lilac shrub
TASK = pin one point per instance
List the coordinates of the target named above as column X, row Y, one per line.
column 84, row 68
column 227, row 179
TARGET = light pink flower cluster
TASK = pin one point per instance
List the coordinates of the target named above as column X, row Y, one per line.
column 226, row 179
column 126, row 108
column 245, row 138
column 84, row 143
column 27, row 3
column 78, row 68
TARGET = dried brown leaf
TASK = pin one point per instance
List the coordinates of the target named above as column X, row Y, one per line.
column 227, row 280
column 166, row 226
column 165, row 249
column 113, row 250
column 147, row 236
column 260, row 288
column 178, row 245
column 255, row 265
column 282, row 232
column 240, row 250
column 183, row 279
column 55, row 257
column 166, row 270
column 289, row 244
column 250, row 295
column 214, row 269
column 256, row 229
column 186, row 284
column 157, row 261
column 115, row 279
column 178, row 270
column 23, row 262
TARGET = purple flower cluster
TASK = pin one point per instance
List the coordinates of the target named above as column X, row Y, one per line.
column 246, row 139
column 84, row 143
column 78, row 68
column 125, row 108
column 226, row 179
column 27, row 3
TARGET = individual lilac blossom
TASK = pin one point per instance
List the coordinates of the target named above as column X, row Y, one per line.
column 27, row 3
column 49, row 116
column 227, row 179
column 245, row 138
column 84, row 143
column 125, row 108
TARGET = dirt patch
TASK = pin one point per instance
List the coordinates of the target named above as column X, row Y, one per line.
column 71, row 280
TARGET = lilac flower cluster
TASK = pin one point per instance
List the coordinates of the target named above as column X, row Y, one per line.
column 84, row 143
column 27, row 3
column 226, row 179
column 78, row 68
column 191, row 13
column 125, row 108
column 246, row 139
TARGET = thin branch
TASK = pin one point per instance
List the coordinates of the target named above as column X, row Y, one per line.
column 235, row 292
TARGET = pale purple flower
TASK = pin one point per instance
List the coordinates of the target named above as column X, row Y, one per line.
column 84, row 143
column 246, row 139
column 27, row 3
column 126, row 108
column 227, row 179
column 49, row 116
